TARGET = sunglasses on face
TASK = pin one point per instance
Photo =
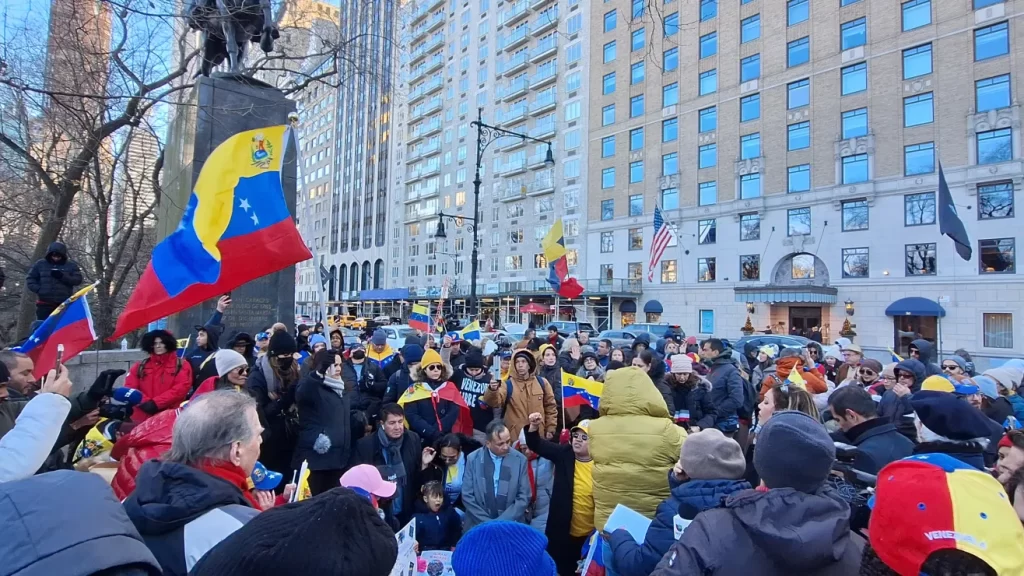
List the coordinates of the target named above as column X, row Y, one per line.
column 950, row 367
column 243, row 371
column 433, row 367
column 867, row 373
column 904, row 376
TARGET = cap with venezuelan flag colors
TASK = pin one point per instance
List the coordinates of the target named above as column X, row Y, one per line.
column 931, row 502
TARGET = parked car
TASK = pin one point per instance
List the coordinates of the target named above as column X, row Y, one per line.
column 780, row 340
column 619, row 338
column 655, row 330
column 397, row 333
column 567, row 328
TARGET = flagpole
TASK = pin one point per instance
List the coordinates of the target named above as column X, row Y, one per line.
column 292, row 129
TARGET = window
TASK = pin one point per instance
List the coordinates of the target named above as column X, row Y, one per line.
column 799, row 136
column 855, row 215
column 636, row 72
column 799, row 178
column 608, row 115
column 855, row 169
column 854, row 33
column 637, row 40
column 638, row 9
column 669, row 130
column 607, row 146
column 607, row 242
column 798, row 221
column 515, row 236
column 708, row 119
column 636, row 139
column 750, row 28
column 707, row 156
column 670, row 95
column 750, row 68
column 996, row 256
column 635, row 270
column 798, row 93
column 672, row 24
column 855, row 262
column 750, row 267
column 997, row 327
column 991, row 41
column 608, row 178
column 802, row 267
column 708, row 9
column 917, row 61
column 995, row 201
column 609, row 52
column 709, row 45
column 636, row 174
column 610, row 20
column 919, row 159
column 797, row 11
column 750, row 146
column 707, row 231
column 670, row 199
column 992, row 93
column 750, row 226
column 607, row 209
column 979, row 4
column 668, row 271
column 995, row 146
column 798, row 52
column 636, row 238
column 607, row 272
column 572, row 82
column 855, row 123
column 670, row 163
column 847, row 2
column 918, row 110
column 920, row 259
column 636, row 106
column 750, row 107
column 707, row 193
column 671, row 59
column 855, row 78
column 705, row 269
column 916, row 13
column 708, row 82
column 750, row 186
column 572, row 112
column 707, row 317
column 608, row 83
column 514, row 262
column 919, row 209
column 636, row 203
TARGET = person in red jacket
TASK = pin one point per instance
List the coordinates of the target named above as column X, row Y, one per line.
column 163, row 378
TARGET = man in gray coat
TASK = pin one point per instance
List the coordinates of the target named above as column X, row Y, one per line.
column 495, row 486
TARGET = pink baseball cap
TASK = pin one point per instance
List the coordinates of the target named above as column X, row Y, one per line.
column 368, row 478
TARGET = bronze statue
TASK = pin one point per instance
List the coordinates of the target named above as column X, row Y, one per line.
column 227, row 27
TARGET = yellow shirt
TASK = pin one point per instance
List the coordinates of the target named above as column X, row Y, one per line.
column 582, row 523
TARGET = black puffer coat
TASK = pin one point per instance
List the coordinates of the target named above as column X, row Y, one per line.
column 53, row 282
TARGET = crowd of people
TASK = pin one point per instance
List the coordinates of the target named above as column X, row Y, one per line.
column 814, row 460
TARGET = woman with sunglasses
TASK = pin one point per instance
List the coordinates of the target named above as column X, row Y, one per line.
column 433, row 405
column 232, row 372
column 895, row 402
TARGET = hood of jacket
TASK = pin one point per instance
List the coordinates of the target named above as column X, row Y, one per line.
column 800, row 532
column 659, row 346
column 816, row 346
column 657, row 371
column 94, row 533
column 629, row 391
column 169, row 495
column 915, row 367
column 530, row 358
column 697, row 496
column 643, row 338
column 926, row 350
column 57, row 248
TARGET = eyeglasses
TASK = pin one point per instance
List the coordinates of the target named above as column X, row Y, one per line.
column 580, row 436
column 867, row 373
column 433, row 367
column 904, row 376
column 950, row 367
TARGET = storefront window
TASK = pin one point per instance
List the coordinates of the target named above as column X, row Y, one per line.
column 909, row 328
column 628, row 318
column 652, row 317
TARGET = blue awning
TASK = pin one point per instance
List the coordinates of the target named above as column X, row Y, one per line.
column 653, row 307
column 627, row 306
column 384, row 294
column 915, row 306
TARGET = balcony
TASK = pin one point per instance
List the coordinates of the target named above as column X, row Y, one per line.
column 538, row 4
column 543, row 130
column 425, row 129
column 432, row 23
column 423, row 9
column 433, row 63
column 427, row 149
column 513, row 190
column 542, row 103
column 432, row 105
column 544, row 48
column 537, row 160
column 514, row 39
column 545, row 21
column 431, row 44
column 514, row 114
column 514, row 88
column 513, row 166
column 516, row 63
column 544, row 76
column 421, row 191
column 422, row 170
column 425, row 89
column 542, row 184
column 514, row 13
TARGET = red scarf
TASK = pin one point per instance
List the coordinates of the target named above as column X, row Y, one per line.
column 233, row 475
column 529, row 474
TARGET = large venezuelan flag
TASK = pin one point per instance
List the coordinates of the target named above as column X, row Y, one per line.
column 236, row 228
column 578, row 391
column 70, row 324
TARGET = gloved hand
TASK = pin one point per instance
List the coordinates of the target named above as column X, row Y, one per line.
column 104, row 384
column 149, row 407
column 57, row 274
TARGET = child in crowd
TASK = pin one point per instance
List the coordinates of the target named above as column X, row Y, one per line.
column 439, row 527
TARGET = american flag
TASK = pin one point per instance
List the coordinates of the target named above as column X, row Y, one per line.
column 663, row 236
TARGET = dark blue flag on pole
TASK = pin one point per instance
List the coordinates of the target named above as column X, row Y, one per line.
column 950, row 223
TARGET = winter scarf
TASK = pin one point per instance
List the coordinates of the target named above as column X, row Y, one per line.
column 231, row 474
column 336, row 386
column 274, row 384
column 396, row 468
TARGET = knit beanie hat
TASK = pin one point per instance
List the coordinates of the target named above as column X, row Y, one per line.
column 987, row 385
column 938, row 383
column 1003, row 376
column 337, row 532
column 412, row 353
column 227, row 360
column 959, row 360
column 474, row 358
column 500, row 548
column 282, row 343
column 430, row 357
column 317, row 339
column 379, row 337
column 833, row 352
column 794, row 451
column 710, row 455
column 681, row 364
column 872, row 364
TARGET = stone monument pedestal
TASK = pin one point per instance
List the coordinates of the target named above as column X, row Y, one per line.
column 218, row 108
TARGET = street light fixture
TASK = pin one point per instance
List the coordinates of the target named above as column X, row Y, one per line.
column 849, row 307
column 750, row 307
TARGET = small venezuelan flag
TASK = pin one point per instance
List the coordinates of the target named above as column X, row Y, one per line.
column 420, row 318
column 895, row 357
column 578, row 391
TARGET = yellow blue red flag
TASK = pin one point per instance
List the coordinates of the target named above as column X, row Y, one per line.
column 579, row 391
column 553, row 245
column 420, row 318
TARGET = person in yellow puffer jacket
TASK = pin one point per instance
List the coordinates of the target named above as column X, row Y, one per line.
column 634, row 443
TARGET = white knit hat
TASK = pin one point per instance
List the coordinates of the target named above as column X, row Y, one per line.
column 227, row 360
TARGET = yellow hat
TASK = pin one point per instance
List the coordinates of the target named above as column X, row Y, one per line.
column 583, row 425
column 430, row 357
column 937, row 384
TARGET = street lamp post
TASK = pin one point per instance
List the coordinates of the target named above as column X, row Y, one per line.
column 485, row 134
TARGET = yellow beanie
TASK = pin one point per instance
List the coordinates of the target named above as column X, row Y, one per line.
column 937, row 384
column 432, row 357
